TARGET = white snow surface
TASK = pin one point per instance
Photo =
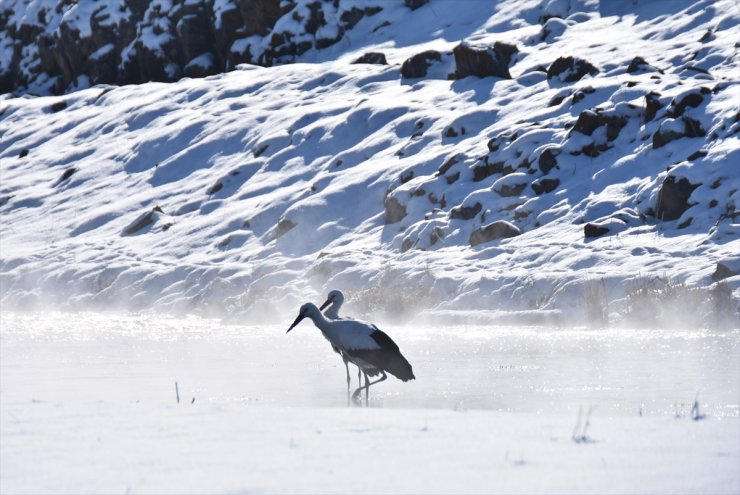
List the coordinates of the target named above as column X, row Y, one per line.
column 264, row 188
column 88, row 405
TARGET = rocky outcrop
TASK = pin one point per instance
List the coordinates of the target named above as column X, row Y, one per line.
column 673, row 199
column 145, row 42
column 570, row 69
column 483, row 61
column 592, row 230
column 499, row 229
column 394, row 209
column 416, row 67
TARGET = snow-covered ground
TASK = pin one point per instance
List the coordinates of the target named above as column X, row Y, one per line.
column 251, row 192
column 88, row 405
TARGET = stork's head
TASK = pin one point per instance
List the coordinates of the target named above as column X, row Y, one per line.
column 334, row 297
column 307, row 309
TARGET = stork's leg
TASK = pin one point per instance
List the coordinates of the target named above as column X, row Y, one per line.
column 367, row 388
column 346, row 366
column 367, row 385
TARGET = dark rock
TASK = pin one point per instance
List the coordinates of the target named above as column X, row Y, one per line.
column 663, row 137
column 723, row 271
column 592, row 230
column 542, row 186
column 692, row 128
column 685, row 224
column 696, row 155
column 570, row 69
column 283, row 226
column 66, row 175
column 483, row 62
column 23, row 154
column 465, row 212
column 450, row 132
column 713, row 203
column 499, row 229
column 451, row 179
column 215, row 188
column 394, row 210
column 406, row 245
column 447, row 165
column 416, row 66
column 547, row 161
column 480, row 172
column 588, row 121
column 415, row 4
column 437, row 234
column 58, row 106
column 260, row 149
column 638, row 64
column 143, row 221
column 556, row 100
column 406, row 176
column 376, row 58
column 678, row 107
column 508, row 190
column 673, row 199
column 652, row 105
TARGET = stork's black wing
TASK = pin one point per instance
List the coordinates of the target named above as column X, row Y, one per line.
column 387, row 357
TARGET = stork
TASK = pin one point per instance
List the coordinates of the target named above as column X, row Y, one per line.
column 363, row 343
column 335, row 299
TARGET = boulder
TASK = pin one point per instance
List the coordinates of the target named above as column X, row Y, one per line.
column 465, row 212
column 511, row 184
column 652, row 105
column 588, row 121
column 592, row 230
column 570, row 69
column 416, row 67
column 500, row 229
column 673, row 199
column 672, row 129
column 394, row 209
column 283, row 226
column 678, row 106
column 483, row 61
column 542, row 186
column 725, row 269
column 376, row 58
column 486, row 169
column 143, row 221
column 547, row 161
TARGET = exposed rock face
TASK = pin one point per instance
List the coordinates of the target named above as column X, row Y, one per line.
column 671, row 129
column 725, row 269
column 416, row 66
column 394, row 209
column 547, row 161
column 542, row 186
column 570, row 69
column 499, row 229
column 465, row 212
column 673, row 200
column 376, row 58
column 483, row 61
column 592, row 230
column 588, row 121
column 144, row 42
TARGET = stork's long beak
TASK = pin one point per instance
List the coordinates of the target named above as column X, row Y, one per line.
column 296, row 322
column 328, row 301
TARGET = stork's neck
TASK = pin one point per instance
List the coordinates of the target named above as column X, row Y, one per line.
column 333, row 310
column 319, row 320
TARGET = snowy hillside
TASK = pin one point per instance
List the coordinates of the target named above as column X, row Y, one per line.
column 550, row 160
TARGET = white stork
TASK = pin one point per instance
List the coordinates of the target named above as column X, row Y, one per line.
column 363, row 343
column 334, row 300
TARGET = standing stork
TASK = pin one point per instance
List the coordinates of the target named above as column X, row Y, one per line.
column 334, row 300
column 364, row 344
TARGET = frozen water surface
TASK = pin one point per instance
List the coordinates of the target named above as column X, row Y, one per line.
column 88, row 405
